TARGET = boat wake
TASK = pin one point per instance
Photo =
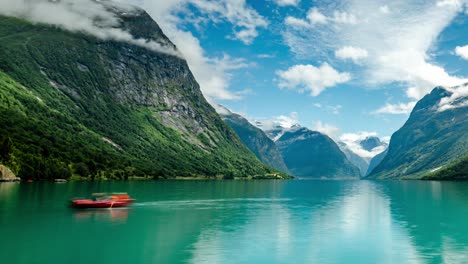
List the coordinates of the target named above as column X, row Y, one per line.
column 213, row 203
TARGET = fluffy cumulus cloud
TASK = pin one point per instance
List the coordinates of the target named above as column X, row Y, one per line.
column 287, row 2
column 99, row 19
column 212, row 73
column 351, row 53
column 462, row 52
column 353, row 140
column 396, row 109
column 311, row 79
column 397, row 45
column 327, row 129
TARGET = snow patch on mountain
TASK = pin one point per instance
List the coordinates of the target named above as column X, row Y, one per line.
column 366, row 145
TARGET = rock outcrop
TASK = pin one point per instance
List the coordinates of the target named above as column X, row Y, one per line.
column 6, row 175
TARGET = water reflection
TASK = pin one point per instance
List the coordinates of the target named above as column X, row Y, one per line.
column 435, row 216
column 116, row 215
column 354, row 225
column 239, row 222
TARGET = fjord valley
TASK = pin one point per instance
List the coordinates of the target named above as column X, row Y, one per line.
column 121, row 102
column 233, row 131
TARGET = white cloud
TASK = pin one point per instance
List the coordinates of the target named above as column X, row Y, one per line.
column 220, row 109
column 353, row 53
column 344, row 18
column 318, row 105
column 415, row 92
column 327, row 129
column 310, row 78
column 266, row 56
column 457, row 99
column 384, row 9
column 315, row 17
column 400, row 42
column 451, row 3
column 353, row 142
column 285, row 121
column 296, row 22
column 386, row 139
column 287, row 2
column 212, row 73
column 396, row 109
column 462, row 52
column 289, row 120
column 81, row 16
column 335, row 109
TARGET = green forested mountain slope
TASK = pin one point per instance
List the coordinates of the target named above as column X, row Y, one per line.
column 430, row 139
column 256, row 140
column 74, row 104
column 310, row 154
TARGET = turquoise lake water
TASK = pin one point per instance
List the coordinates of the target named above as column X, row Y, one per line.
column 238, row 222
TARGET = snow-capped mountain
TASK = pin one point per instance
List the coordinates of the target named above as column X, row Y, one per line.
column 361, row 148
column 276, row 129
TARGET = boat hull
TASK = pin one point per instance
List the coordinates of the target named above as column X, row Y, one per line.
column 85, row 203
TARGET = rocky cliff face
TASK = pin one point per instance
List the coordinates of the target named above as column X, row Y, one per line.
column 7, row 175
column 110, row 109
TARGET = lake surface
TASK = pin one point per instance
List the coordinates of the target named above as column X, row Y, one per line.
column 238, row 222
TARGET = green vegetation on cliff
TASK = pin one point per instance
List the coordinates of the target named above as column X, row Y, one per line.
column 457, row 170
column 256, row 140
column 72, row 104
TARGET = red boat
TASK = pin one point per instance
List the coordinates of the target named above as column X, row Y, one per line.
column 103, row 201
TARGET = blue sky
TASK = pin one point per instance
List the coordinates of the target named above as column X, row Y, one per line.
column 349, row 66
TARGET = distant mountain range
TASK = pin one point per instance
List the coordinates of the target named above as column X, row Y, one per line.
column 361, row 152
column 311, row 154
column 305, row 153
column 254, row 138
column 432, row 144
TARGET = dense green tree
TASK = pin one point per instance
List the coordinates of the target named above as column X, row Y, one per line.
column 6, row 150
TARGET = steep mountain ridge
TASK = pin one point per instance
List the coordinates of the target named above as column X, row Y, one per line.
column 255, row 139
column 434, row 136
column 108, row 109
column 310, row 154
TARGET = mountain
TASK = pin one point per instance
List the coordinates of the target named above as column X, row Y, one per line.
column 370, row 143
column 310, row 154
column 456, row 170
column 361, row 163
column 75, row 104
column 360, row 150
column 434, row 136
column 375, row 161
column 277, row 130
column 255, row 139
